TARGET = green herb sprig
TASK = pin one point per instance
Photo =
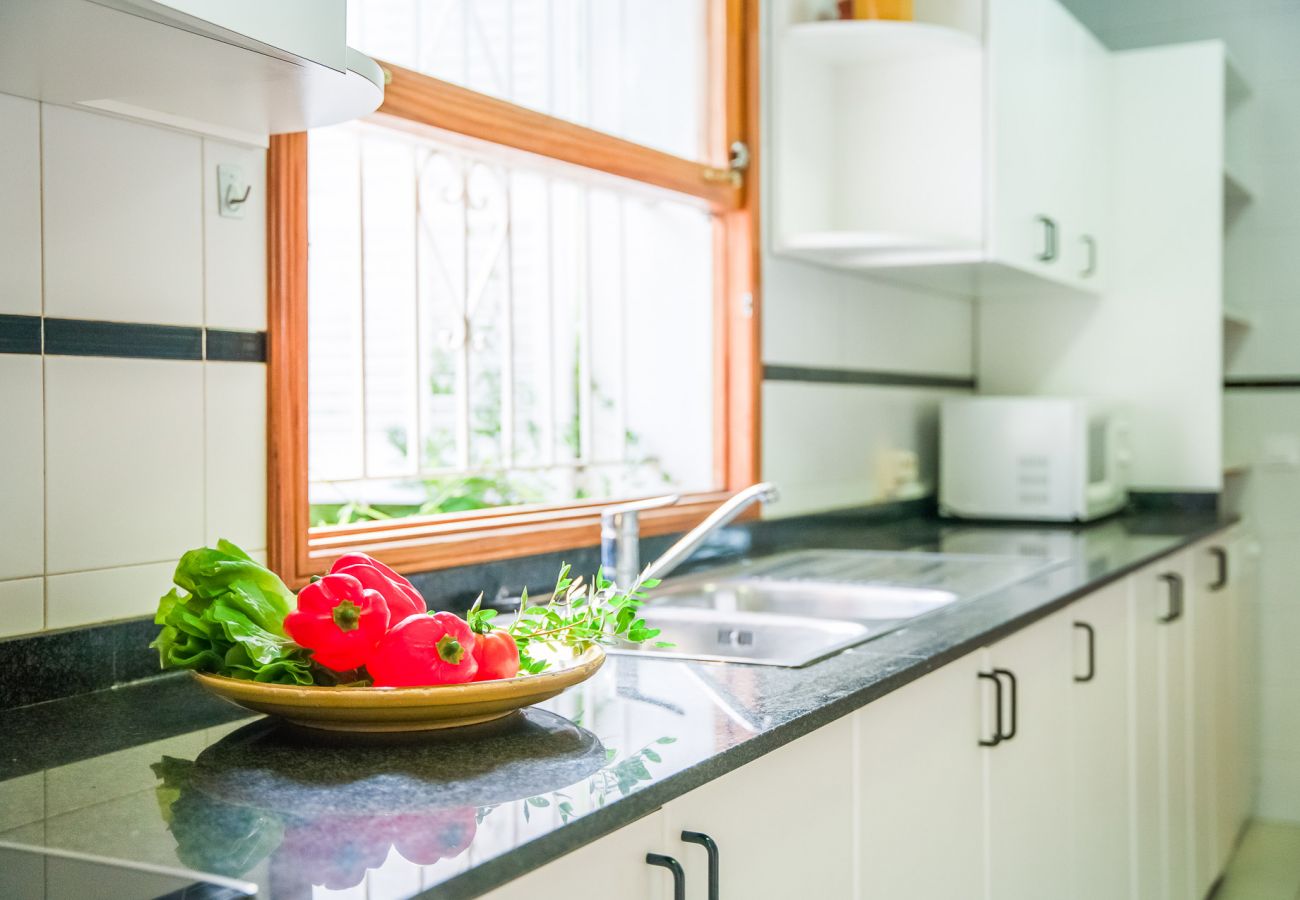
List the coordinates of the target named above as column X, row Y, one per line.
column 578, row 615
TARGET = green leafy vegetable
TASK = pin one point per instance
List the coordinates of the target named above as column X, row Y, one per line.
column 579, row 615
column 226, row 615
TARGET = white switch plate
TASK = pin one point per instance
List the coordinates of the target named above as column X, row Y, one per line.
column 232, row 191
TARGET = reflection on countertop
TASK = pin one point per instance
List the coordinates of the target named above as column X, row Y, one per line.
column 160, row 773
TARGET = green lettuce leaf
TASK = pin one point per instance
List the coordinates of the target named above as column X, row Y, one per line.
column 226, row 616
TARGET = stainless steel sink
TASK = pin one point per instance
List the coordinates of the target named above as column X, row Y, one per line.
column 794, row 608
column 864, row 603
column 758, row 638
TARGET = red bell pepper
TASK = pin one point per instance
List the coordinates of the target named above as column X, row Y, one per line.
column 339, row 620
column 497, row 655
column 364, row 559
column 402, row 599
column 424, row 650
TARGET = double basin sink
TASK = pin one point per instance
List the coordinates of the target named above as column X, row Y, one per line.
column 795, row 608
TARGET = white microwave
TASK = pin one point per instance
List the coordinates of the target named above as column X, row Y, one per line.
column 1045, row 459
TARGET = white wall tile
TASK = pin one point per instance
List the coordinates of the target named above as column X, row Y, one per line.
column 123, row 222
column 20, row 188
column 103, row 595
column 1278, row 797
column 22, row 607
column 22, row 474
column 235, row 411
column 823, row 444
column 234, row 249
column 124, row 461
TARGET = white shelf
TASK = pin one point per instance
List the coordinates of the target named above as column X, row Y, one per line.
column 859, row 41
column 869, row 250
column 1236, row 88
column 1236, row 188
column 1237, row 317
column 198, row 77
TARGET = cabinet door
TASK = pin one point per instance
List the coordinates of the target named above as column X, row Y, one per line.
column 1038, row 64
column 1085, row 252
column 1162, row 733
column 613, row 866
column 1027, row 776
column 920, row 787
column 1099, row 707
column 782, row 824
column 1207, row 608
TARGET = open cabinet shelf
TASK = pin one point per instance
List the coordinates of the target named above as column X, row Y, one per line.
column 866, row 41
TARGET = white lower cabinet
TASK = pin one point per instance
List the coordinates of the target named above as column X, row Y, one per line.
column 782, row 825
column 1163, row 774
column 1099, row 753
column 1030, row 827
column 613, row 866
column 1099, row 713
column 779, row 827
column 920, row 790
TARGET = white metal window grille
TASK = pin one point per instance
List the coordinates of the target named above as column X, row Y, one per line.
column 489, row 333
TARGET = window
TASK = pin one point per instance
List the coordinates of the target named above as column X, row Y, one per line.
column 522, row 290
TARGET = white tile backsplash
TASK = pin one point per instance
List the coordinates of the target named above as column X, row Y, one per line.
column 20, row 193
column 123, row 222
column 234, row 273
column 124, row 461
column 22, row 606
column 102, row 595
column 22, row 473
column 825, row 444
column 235, row 417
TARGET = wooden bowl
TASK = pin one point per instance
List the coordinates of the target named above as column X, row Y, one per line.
column 372, row 709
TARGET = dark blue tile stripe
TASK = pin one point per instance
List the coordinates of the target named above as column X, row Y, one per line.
column 129, row 340
column 1281, row 383
column 237, row 346
column 81, row 337
column 20, row 334
column 865, row 377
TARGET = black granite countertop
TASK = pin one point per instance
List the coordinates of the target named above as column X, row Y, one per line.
column 159, row 772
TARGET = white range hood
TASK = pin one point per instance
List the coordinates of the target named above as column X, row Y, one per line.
column 238, row 69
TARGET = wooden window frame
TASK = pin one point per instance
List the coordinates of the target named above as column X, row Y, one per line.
column 422, row 543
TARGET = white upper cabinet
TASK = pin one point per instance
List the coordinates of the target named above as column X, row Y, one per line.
column 1047, row 169
column 240, row 70
column 965, row 150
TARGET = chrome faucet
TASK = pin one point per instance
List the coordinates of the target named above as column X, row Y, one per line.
column 620, row 534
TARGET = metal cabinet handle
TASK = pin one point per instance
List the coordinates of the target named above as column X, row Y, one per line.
column 711, row 847
column 1051, row 246
column 672, row 865
column 1175, row 583
column 997, row 705
column 1221, row 555
column 1015, row 710
column 1092, row 652
column 1091, row 268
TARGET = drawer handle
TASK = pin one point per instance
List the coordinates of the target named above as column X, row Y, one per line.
column 672, row 865
column 1015, row 711
column 1222, row 556
column 1175, row 583
column 997, row 706
column 1091, row 268
column 1051, row 247
column 1092, row 652
column 710, row 847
